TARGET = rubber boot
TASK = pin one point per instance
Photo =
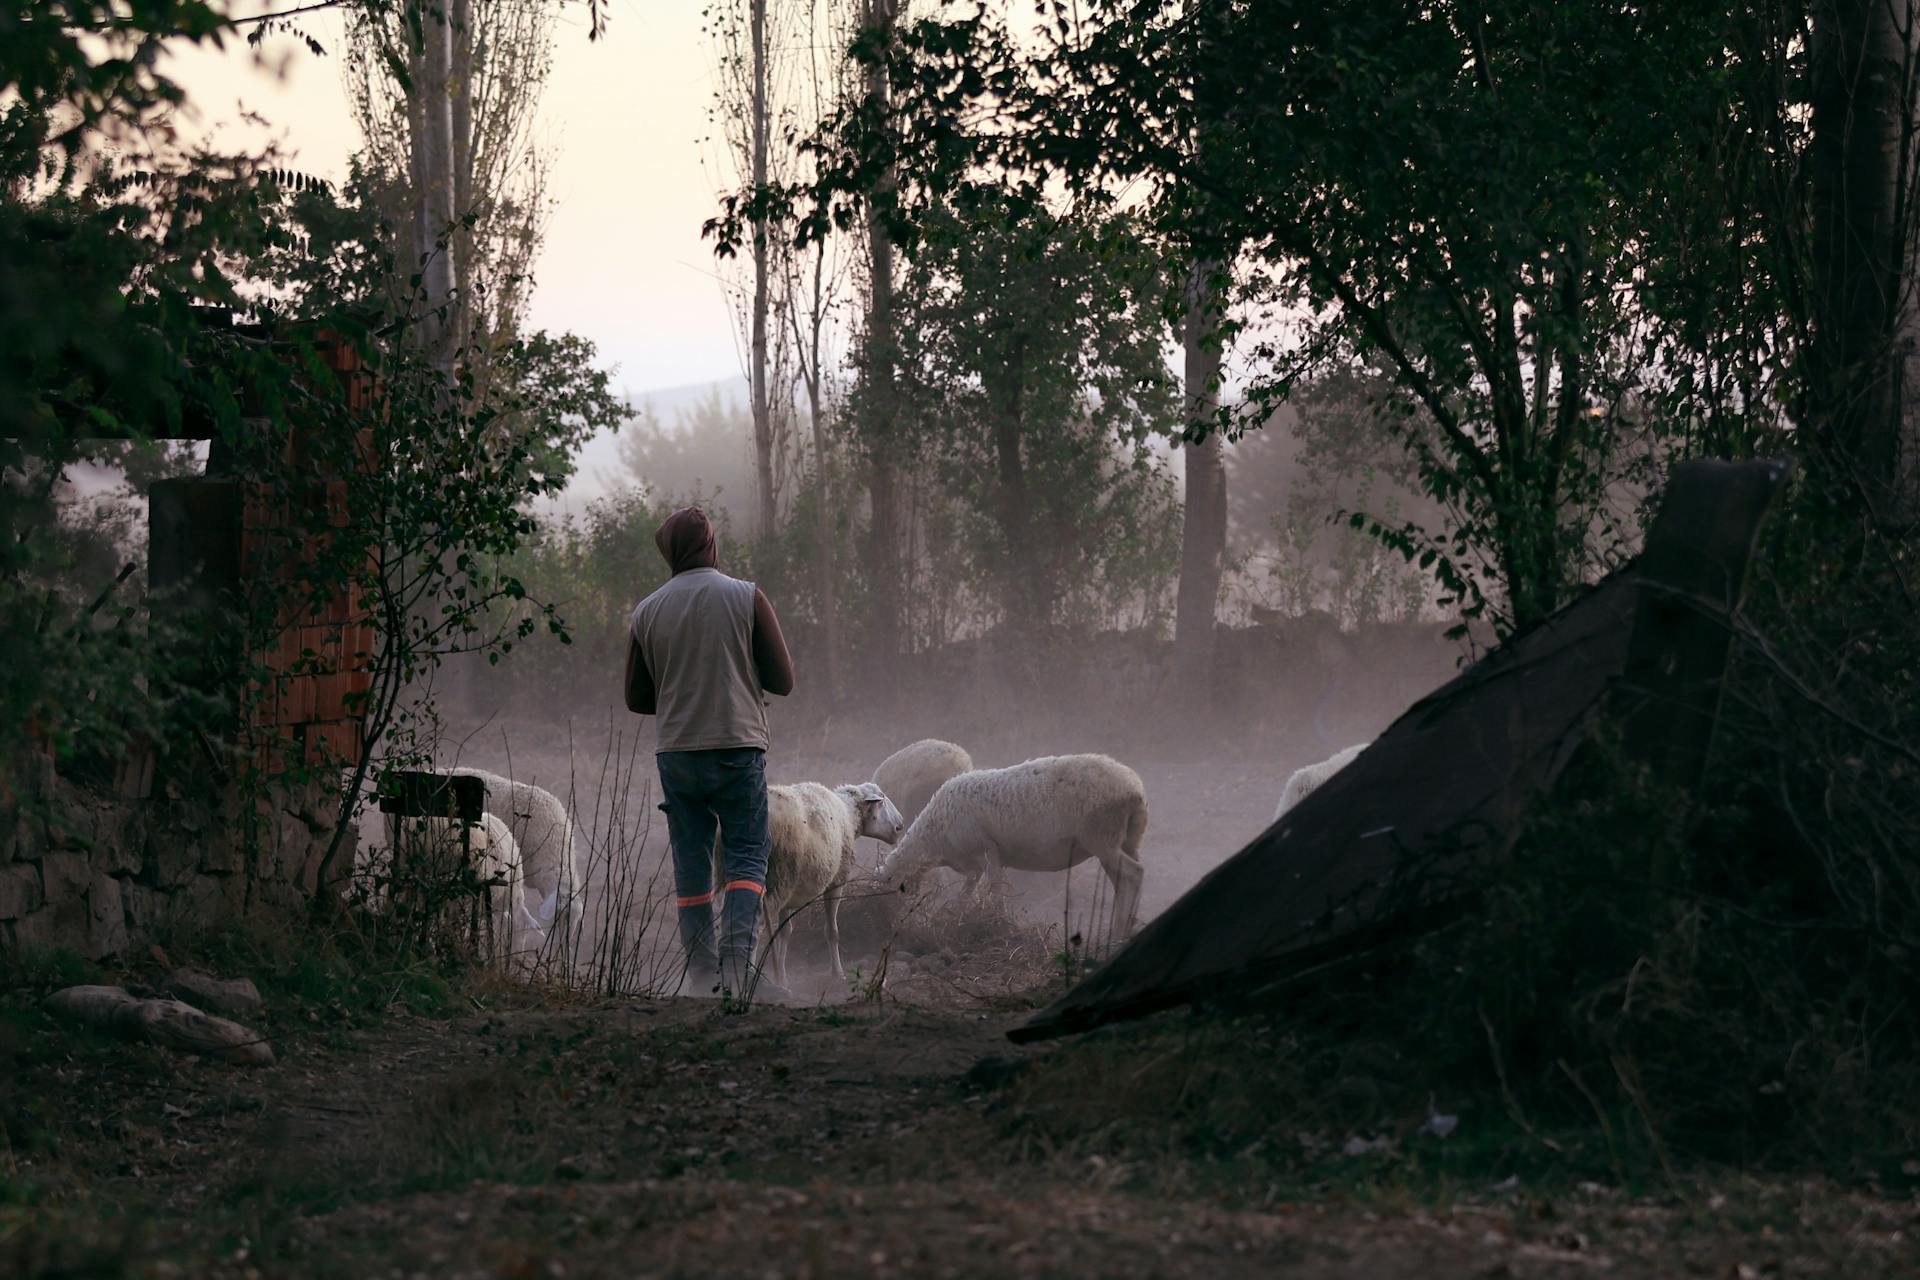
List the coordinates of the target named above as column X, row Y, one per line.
column 739, row 931
column 701, row 976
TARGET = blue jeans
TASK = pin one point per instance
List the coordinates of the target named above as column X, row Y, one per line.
column 723, row 789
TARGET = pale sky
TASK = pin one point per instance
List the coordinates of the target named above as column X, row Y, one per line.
column 623, row 263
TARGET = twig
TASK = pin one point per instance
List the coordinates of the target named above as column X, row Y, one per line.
column 1630, row 1081
column 1816, row 700
column 1506, row 1092
column 1600, row 1114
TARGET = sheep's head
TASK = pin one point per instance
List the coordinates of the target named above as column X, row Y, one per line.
column 875, row 814
column 902, row 869
column 911, row 858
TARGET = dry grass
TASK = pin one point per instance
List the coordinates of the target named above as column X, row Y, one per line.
column 857, row 1141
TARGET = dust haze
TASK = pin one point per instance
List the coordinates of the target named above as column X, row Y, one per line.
column 1315, row 652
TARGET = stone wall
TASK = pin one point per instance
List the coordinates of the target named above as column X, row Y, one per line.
column 97, row 873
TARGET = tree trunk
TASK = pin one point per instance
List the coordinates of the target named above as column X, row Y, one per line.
column 421, row 245
column 1861, row 173
column 883, row 555
column 757, row 375
column 1203, row 532
column 823, row 530
column 437, row 171
column 461, row 101
column 1025, row 589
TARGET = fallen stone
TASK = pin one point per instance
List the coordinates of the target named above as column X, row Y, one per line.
column 237, row 997
column 170, row 1023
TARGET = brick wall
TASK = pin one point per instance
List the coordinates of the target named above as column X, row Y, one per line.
column 306, row 709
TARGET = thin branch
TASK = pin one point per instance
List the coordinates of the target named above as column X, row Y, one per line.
column 294, row 12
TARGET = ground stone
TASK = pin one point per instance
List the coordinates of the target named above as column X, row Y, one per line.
column 20, row 891
column 235, row 997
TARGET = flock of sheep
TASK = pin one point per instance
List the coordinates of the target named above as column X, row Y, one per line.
column 926, row 801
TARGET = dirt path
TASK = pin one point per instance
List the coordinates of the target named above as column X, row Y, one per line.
column 674, row 1138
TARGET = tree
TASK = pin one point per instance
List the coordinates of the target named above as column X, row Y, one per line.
column 1478, row 202
column 810, row 295
column 752, row 83
column 445, row 97
column 1203, row 538
column 1031, row 368
column 1865, row 201
column 877, row 424
column 112, row 287
column 417, row 510
column 98, row 291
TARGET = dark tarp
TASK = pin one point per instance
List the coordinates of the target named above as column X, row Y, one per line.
column 1444, row 788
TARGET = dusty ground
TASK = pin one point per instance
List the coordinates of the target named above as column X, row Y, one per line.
column 523, row 1137
column 893, row 1133
column 1204, row 802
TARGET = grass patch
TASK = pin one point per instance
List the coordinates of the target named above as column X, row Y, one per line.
column 1256, row 1109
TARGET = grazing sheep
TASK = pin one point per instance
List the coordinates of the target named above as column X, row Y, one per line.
column 1305, row 782
column 912, row 774
column 1049, row 814
column 495, row 857
column 811, row 830
column 544, row 830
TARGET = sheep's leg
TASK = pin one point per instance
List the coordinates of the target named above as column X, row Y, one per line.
column 996, row 875
column 776, row 951
column 1126, row 873
column 832, row 906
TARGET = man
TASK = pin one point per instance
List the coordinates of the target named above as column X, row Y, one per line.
column 702, row 652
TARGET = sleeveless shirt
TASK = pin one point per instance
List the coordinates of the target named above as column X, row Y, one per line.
column 696, row 634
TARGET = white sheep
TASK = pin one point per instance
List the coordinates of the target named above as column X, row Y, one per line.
column 1304, row 782
column 1049, row 814
column 535, row 857
column 544, row 831
column 435, row 844
column 912, row 774
column 811, row 829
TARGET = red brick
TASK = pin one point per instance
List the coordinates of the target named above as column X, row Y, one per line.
column 336, row 742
